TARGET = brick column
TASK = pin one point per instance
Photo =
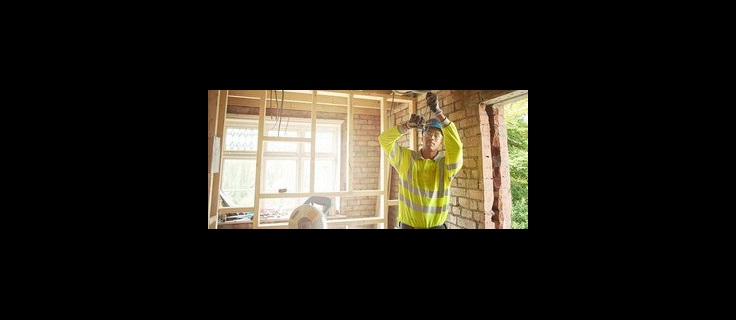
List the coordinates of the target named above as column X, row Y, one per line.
column 500, row 163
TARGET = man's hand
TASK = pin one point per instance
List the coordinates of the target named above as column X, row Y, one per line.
column 416, row 121
column 432, row 103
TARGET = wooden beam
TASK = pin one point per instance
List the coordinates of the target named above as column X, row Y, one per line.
column 219, row 129
column 349, row 133
column 494, row 96
column 344, row 194
column 287, row 139
column 235, row 210
column 259, row 158
column 384, row 173
column 283, row 225
column 341, row 93
column 304, row 105
column 255, row 94
column 344, row 93
column 327, row 93
column 211, row 125
column 236, row 107
column 333, row 93
column 313, row 144
column 508, row 98
column 398, row 100
column 297, row 107
column 209, row 196
column 213, row 220
column 367, row 101
column 374, row 97
column 349, row 142
column 353, row 221
column 331, row 222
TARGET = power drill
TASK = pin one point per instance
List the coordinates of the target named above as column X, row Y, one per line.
column 432, row 104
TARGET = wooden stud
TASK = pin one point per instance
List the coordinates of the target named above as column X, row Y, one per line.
column 303, row 106
column 349, row 137
column 383, row 168
column 313, row 144
column 234, row 210
column 509, row 97
column 212, row 97
column 259, row 161
column 219, row 128
column 286, row 139
column 356, row 193
column 331, row 222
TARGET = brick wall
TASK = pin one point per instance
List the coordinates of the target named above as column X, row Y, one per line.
column 365, row 152
column 365, row 166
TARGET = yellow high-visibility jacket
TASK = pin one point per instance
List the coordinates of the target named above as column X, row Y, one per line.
column 424, row 184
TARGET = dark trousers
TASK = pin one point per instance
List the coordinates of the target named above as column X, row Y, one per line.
column 406, row 226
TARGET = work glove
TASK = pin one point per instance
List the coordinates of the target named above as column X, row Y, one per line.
column 416, row 122
column 432, row 103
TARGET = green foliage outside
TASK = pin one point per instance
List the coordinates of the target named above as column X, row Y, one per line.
column 517, row 126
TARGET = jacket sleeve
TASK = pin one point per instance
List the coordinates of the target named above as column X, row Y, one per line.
column 453, row 147
column 388, row 139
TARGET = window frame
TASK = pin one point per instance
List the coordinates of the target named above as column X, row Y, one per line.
column 301, row 156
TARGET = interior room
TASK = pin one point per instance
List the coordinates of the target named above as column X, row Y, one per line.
column 328, row 159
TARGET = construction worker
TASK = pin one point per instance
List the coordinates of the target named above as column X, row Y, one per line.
column 425, row 175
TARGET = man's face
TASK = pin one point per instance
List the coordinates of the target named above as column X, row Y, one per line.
column 432, row 139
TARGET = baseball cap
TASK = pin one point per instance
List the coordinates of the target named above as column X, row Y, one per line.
column 432, row 123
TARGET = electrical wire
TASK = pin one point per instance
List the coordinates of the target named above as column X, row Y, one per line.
column 280, row 112
column 269, row 102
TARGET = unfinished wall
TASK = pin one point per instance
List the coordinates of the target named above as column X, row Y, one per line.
column 365, row 153
column 471, row 200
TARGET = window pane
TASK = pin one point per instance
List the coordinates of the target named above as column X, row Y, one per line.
column 240, row 139
column 325, row 142
column 238, row 181
column 304, row 181
column 280, row 174
column 325, row 171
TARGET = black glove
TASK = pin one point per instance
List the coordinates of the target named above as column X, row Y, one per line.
column 432, row 103
column 416, row 121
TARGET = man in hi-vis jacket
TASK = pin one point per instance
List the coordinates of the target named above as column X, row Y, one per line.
column 425, row 175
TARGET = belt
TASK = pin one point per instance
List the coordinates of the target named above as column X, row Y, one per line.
column 406, row 226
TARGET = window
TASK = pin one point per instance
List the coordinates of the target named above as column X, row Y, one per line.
column 285, row 164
